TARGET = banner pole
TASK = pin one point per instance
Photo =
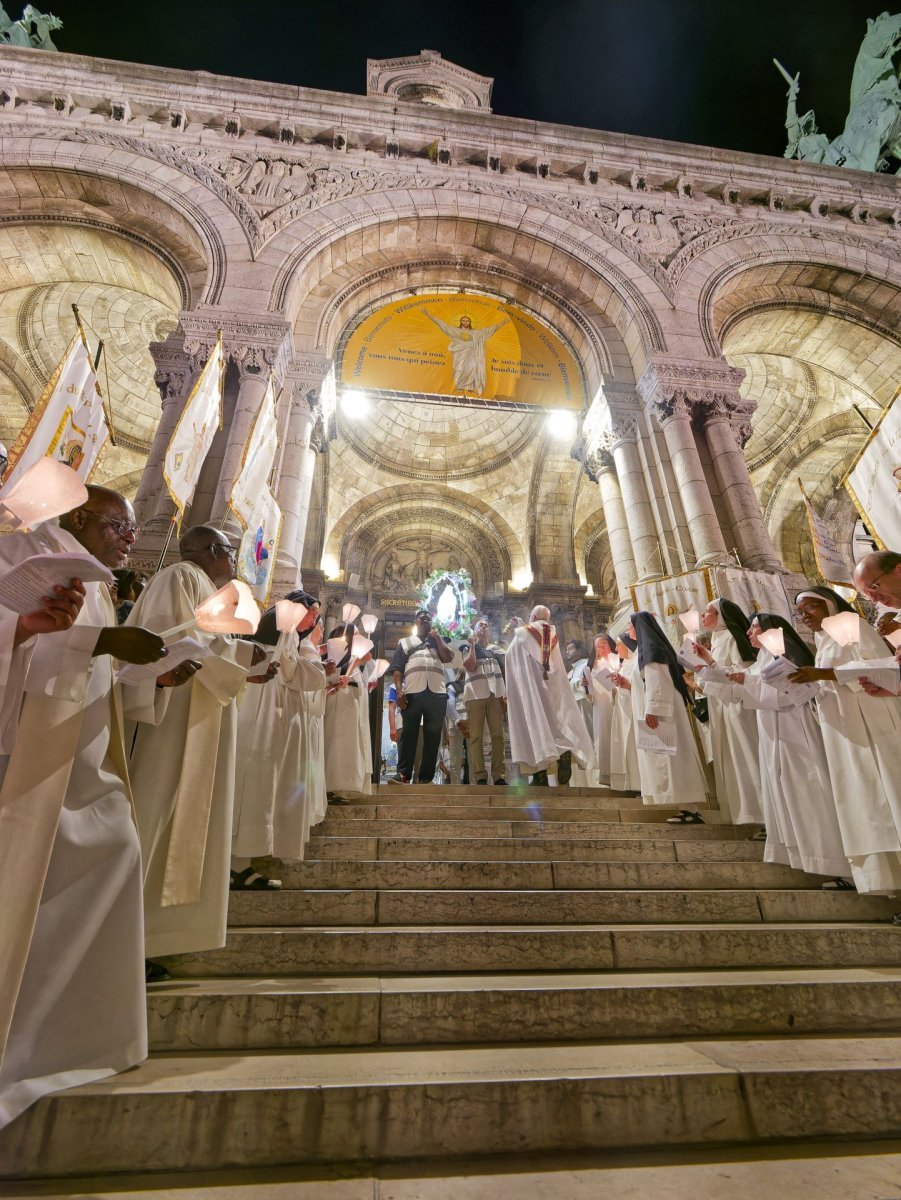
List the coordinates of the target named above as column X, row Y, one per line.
column 172, row 523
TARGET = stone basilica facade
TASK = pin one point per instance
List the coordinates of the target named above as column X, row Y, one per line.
column 732, row 316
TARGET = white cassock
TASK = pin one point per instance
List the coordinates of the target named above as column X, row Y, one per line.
column 862, row 736
column 544, row 718
column 796, row 797
column 601, row 726
column 272, row 805
column 348, row 753
column 313, row 709
column 667, row 778
column 624, row 770
column 586, row 777
column 734, row 740
column 72, row 939
column 183, row 773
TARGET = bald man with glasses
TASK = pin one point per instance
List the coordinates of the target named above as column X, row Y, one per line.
column 183, row 758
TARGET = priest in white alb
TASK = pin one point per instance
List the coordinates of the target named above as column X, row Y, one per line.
column 72, row 1005
column 183, row 758
column 543, row 716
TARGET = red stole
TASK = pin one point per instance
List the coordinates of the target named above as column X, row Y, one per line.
column 546, row 642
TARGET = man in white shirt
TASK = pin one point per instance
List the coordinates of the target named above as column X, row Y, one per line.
column 485, row 700
column 418, row 669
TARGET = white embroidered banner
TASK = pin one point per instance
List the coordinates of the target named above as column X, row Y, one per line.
column 874, row 480
column 666, row 598
column 194, row 433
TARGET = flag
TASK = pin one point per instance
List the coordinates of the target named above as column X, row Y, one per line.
column 258, row 461
column 668, row 597
column 194, row 433
column 831, row 561
column 254, row 504
column 259, row 543
column 68, row 422
column 874, row 480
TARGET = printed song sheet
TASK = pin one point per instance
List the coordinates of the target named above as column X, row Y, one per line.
column 23, row 587
column 661, row 740
column 132, row 674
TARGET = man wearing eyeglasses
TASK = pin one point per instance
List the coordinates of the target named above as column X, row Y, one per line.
column 72, row 1005
column 878, row 577
column 183, row 758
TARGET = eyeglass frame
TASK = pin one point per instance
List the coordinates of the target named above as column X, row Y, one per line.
column 122, row 528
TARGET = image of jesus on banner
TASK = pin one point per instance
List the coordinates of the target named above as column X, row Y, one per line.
column 467, row 349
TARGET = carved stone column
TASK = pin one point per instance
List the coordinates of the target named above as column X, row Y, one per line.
column 669, row 390
column 645, row 543
column 603, row 468
column 727, row 426
column 303, row 436
column 174, row 376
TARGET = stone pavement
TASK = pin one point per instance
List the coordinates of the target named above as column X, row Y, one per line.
column 485, row 971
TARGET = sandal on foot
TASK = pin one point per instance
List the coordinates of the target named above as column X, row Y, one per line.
column 685, row 817
column 838, row 885
column 759, row 836
column 250, row 880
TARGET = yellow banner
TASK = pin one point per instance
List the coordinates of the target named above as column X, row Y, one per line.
column 462, row 345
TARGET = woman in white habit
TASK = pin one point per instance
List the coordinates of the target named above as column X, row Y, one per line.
column 348, row 753
column 624, row 773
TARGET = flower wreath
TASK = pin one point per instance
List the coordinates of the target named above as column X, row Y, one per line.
column 466, row 607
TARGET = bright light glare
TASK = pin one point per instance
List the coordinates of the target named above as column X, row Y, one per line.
column 562, row 425
column 354, row 404
column 521, row 580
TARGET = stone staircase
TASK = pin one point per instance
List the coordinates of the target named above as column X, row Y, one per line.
column 490, row 971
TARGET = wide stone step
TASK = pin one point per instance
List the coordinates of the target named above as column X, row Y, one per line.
column 531, row 849
column 345, row 950
column 532, row 828
column 591, row 813
column 259, row 1014
column 334, row 873
column 427, row 793
column 560, row 907
column 206, row 1111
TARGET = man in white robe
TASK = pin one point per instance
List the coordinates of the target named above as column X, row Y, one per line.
column 72, row 1006
column 183, row 758
column 577, row 661
column 544, row 718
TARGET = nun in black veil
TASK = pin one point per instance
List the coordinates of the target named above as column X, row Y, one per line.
column 733, row 728
column 796, row 795
column 660, row 699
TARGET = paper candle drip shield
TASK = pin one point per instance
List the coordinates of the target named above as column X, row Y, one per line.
column 380, row 666
column 369, row 622
column 773, row 640
column 350, row 612
column 843, row 628
column 691, row 620
column 46, row 490
column 288, row 615
column 230, row 610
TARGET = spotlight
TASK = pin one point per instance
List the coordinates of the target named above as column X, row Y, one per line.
column 562, row 425
column 354, row 405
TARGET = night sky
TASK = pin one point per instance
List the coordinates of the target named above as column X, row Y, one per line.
column 688, row 70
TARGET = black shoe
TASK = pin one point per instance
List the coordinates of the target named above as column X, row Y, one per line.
column 250, row 880
column 155, row 972
column 539, row 779
column 686, row 817
column 334, row 798
column 500, row 783
column 482, row 782
column 564, row 768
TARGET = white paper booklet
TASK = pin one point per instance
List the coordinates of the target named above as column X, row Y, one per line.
column 132, row 674
column 777, row 673
column 23, row 587
column 661, row 740
column 884, row 672
column 603, row 678
column 716, row 673
column 687, row 657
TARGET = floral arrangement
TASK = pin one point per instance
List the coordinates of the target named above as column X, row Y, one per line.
column 452, row 614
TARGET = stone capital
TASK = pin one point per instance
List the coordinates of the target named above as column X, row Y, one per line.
column 598, row 462
column 257, row 344
column 672, row 388
column 623, row 428
column 175, row 368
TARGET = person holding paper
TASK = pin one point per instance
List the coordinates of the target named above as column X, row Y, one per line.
column 484, row 700
column 183, row 757
column 802, row 829
column 625, row 774
column 601, row 687
column 862, row 738
column 733, row 727
column 348, row 750
column 272, row 806
column 72, row 1003
column 670, row 764
column 577, row 657
column 545, row 721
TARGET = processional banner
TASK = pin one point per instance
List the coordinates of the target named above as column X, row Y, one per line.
column 194, row 433
column 874, row 480
column 831, row 561
column 68, row 422
column 666, row 598
column 753, row 591
column 254, row 504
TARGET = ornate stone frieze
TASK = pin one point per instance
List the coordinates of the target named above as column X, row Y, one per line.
column 257, row 345
column 690, row 389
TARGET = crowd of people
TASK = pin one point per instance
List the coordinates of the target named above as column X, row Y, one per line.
column 129, row 812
